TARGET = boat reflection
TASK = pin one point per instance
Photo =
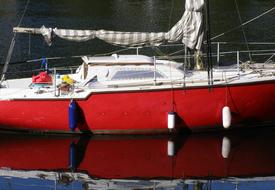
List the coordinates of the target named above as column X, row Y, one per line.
column 242, row 155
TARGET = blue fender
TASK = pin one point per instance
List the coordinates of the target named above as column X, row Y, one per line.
column 73, row 115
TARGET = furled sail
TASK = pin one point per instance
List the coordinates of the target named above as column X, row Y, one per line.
column 112, row 37
column 189, row 29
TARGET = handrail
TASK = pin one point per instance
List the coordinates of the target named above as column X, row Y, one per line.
column 261, row 53
column 181, row 55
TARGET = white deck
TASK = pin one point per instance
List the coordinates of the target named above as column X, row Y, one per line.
column 129, row 77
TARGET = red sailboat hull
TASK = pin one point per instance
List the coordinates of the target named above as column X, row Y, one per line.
column 197, row 108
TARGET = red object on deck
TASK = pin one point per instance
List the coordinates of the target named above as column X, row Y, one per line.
column 42, row 78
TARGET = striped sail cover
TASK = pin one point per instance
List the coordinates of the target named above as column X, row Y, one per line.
column 189, row 29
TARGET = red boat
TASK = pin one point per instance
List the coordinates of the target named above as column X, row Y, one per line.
column 132, row 111
column 137, row 93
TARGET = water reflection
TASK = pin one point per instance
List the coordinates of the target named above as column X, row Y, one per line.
column 142, row 162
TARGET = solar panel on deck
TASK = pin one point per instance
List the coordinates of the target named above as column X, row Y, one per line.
column 135, row 74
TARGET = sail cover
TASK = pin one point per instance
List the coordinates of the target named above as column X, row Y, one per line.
column 189, row 30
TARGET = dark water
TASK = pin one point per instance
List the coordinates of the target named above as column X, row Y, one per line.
column 197, row 158
column 124, row 15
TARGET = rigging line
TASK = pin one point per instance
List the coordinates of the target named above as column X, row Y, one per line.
column 243, row 24
column 5, row 68
column 8, row 58
column 29, row 50
column 172, row 89
column 24, row 12
column 176, row 52
column 209, row 51
column 244, row 35
column 157, row 50
column 269, row 58
column 162, row 54
column 170, row 14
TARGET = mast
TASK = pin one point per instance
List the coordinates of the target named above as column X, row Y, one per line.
column 7, row 61
column 208, row 42
column 8, row 58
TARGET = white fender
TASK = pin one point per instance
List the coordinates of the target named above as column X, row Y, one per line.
column 226, row 117
column 171, row 120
